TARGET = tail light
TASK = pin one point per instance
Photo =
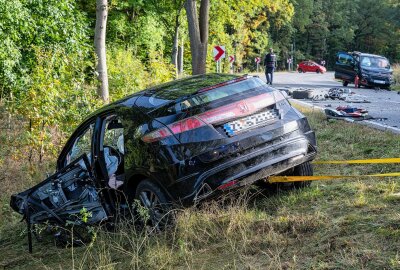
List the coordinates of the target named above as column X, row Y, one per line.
column 219, row 115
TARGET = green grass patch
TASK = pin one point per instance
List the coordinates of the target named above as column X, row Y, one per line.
column 341, row 224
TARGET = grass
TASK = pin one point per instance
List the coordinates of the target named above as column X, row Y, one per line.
column 344, row 224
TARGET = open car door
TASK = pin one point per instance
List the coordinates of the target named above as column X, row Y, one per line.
column 69, row 196
column 345, row 67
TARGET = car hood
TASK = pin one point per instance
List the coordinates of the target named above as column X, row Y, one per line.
column 380, row 70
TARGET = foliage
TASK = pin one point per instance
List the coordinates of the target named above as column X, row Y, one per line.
column 396, row 76
column 55, row 97
column 28, row 24
column 127, row 74
column 322, row 28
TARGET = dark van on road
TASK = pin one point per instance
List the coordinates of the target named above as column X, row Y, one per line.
column 365, row 69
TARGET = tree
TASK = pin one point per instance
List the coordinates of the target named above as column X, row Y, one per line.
column 198, row 33
column 100, row 48
column 169, row 13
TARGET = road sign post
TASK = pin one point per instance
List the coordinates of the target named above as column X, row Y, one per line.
column 218, row 53
column 231, row 60
column 257, row 60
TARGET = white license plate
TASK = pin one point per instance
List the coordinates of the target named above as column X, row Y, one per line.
column 248, row 122
column 379, row 81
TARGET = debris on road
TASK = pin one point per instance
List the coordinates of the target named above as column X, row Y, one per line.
column 356, row 114
column 352, row 112
column 342, row 112
column 303, row 94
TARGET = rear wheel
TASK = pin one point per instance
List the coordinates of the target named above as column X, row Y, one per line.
column 300, row 70
column 345, row 83
column 153, row 209
column 304, row 169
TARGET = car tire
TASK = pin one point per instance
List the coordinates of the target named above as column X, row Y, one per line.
column 304, row 169
column 155, row 209
column 318, row 71
column 345, row 83
column 300, row 70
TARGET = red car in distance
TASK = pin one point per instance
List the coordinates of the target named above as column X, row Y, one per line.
column 310, row 66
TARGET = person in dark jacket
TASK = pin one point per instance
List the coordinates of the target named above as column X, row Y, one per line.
column 269, row 62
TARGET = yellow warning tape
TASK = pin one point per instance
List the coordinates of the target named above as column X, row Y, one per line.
column 360, row 161
column 282, row 179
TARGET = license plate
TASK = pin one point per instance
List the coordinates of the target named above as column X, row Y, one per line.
column 379, row 81
column 252, row 121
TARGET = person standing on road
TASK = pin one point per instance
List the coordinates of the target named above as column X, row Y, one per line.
column 269, row 62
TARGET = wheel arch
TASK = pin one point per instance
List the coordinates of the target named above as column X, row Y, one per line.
column 133, row 181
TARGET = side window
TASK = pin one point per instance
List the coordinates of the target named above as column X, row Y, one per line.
column 114, row 134
column 345, row 59
column 114, row 149
column 82, row 145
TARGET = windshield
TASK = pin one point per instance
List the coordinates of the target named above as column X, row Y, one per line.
column 374, row 62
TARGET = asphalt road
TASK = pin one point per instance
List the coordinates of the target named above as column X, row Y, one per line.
column 383, row 104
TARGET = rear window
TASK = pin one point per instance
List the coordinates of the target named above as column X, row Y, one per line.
column 168, row 92
column 251, row 84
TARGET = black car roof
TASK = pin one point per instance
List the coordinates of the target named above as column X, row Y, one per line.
column 368, row 54
column 172, row 89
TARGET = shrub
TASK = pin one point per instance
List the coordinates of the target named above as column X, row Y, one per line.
column 396, row 73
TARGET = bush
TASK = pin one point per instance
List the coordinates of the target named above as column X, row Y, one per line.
column 55, row 99
column 396, row 74
column 127, row 74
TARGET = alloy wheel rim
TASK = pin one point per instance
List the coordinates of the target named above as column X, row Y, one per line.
column 157, row 214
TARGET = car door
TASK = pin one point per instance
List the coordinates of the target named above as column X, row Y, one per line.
column 71, row 195
column 80, row 142
column 309, row 66
column 306, row 67
column 67, row 197
column 345, row 67
column 109, row 165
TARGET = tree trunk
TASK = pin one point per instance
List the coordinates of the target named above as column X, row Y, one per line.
column 174, row 55
column 180, row 59
column 198, row 34
column 100, row 48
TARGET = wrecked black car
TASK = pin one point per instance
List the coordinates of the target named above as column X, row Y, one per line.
column 180, row 142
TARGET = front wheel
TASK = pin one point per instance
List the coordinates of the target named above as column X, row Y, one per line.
column 345, row 83
column 318, row 71
column 300, row 70
column 153, row 208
